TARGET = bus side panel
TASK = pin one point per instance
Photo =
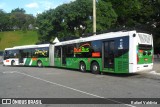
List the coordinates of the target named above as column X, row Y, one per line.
column 120, row 55
column 121, row 63
column 74, row 62
column 57, row 62
column 8, row 61
column 33, row 61
column 45, row 61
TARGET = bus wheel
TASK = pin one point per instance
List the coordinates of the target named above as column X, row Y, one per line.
column 95, row 68
column 82, row 67
column 13, row 63
column 39, row 63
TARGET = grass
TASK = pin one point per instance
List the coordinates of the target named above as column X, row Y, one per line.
column 17, row 38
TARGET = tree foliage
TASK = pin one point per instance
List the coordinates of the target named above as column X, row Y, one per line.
column 106, row 16
column 17, row 19
column 4, row 21
column 19, row 10
column 75, row 18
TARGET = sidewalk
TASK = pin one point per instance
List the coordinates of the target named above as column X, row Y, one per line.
column 1, row 59
column 156, row 65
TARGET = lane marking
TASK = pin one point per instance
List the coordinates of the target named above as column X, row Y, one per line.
column 154, row 72
column 9, row 72
column 53, row 83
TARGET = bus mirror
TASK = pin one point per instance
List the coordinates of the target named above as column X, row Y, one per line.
column 134, row 35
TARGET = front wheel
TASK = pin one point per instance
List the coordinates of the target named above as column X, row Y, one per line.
column 39, row 64
column 13, row 63
column 95, row 68
column 82, row 67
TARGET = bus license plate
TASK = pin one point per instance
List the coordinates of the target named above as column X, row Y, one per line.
column 145, row 66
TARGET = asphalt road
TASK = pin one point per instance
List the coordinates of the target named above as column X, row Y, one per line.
column 32, row 82
column 156, row 65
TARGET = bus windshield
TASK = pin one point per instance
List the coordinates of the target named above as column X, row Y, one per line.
column 10, row 54
column 145, row 47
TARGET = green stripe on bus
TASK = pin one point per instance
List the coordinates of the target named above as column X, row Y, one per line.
column 28, row 60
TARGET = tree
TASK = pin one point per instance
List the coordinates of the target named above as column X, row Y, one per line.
column 4, row 21
column 30, row 20
column 155, row 24
column 106, row 16
column 20, row 20
column 19, row 10
column 74, row 18
column 127, row 12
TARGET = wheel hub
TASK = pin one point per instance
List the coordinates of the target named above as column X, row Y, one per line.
column 95, row 68
column 82, row 67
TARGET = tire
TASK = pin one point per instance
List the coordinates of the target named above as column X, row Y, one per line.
column 13, row 63
column 82, row 67
column 95, row 69
column 39, row 64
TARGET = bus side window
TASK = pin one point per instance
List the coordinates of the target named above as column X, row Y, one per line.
column 97, row 47
column 34, row 55
column 6, row 53
column 70, row 50
column 57, row 52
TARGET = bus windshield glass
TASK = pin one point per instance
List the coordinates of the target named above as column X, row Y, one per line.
column 145, row 47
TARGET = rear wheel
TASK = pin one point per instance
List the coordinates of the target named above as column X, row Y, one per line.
column 82, row 67
column 39, row 64
column 95, row 68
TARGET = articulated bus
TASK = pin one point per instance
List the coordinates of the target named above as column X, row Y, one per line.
column 114, row 52
column 29, row 55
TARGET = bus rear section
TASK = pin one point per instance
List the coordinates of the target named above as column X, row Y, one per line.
column 143, row 54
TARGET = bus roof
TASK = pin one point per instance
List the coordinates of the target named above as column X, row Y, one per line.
column 98, row 37
column 28, row 46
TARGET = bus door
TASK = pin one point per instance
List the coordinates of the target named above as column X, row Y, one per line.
column 63, row 56
column 20, row 56
column 109, row 54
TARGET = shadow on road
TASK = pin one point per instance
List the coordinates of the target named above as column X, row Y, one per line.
column 121, row 75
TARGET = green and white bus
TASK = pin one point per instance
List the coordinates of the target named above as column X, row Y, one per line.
column 29, row 55
column 115, row 52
